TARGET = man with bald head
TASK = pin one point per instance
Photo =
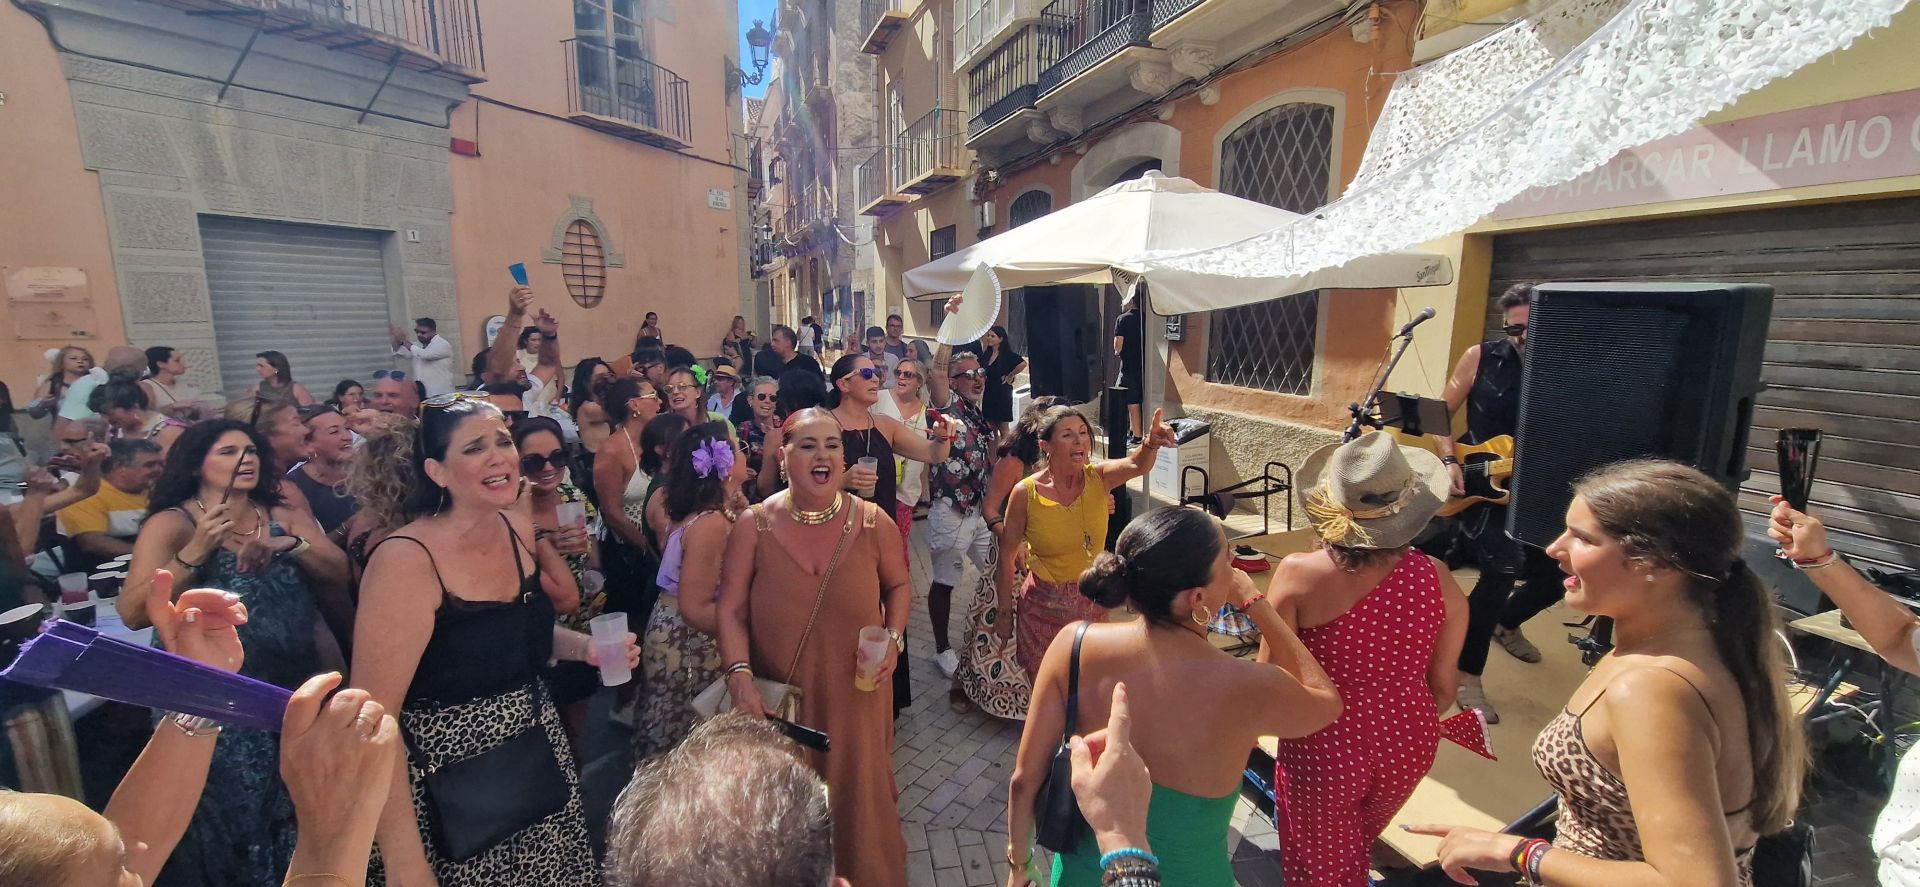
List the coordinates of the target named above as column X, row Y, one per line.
column 124, row 361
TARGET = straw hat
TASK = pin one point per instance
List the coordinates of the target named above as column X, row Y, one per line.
column 1371, row 492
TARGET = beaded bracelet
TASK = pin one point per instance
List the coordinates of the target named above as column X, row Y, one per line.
column 1128, row 853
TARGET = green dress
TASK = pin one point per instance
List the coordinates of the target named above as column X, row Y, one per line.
column 1188, row 834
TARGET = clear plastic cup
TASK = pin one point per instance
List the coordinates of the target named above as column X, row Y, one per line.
column 871, row 464
column 610, row 647
column 874, row 641
column 73, row 587
column 571, row 513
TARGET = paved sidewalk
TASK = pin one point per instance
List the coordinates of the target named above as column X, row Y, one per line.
column 953, row 771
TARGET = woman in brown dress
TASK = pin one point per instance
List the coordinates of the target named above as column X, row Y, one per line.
column 772, row 601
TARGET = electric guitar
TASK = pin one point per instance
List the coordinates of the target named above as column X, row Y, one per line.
column 1485, row 466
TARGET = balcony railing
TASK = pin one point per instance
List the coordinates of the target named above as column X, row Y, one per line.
column 629, row 97
column 1091, row 31
column 1165, row 11
column 439, row 37
column 930, row 153
column 1008, row 79
column 878, row 180
column 807, row 205
column 881, row 19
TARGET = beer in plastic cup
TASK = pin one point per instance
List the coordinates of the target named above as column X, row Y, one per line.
column 874, row 641
column 571, row 513
column 610, row 647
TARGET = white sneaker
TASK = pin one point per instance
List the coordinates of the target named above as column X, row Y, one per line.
column 948, row 661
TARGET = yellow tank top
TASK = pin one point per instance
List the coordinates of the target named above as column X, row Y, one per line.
column 1062, row 539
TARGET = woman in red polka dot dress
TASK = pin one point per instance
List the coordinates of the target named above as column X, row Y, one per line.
column 1386, row 621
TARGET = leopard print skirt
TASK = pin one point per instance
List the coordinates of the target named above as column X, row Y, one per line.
column 554, row 852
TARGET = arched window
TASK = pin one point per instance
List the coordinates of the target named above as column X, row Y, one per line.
column 1137, row 170
column 583, row 263
column 1282, row 158
column 1027, row 207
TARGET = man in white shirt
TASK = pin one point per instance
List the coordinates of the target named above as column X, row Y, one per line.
column 432, row 355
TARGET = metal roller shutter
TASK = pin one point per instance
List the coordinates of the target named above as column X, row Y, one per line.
column 1843, row 349
column 316, row 294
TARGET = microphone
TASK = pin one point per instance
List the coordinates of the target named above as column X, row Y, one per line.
column 1417, row 320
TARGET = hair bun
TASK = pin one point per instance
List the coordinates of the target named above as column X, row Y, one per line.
column 1107, row 582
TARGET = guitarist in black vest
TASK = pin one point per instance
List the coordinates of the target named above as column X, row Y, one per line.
column 1486, row 383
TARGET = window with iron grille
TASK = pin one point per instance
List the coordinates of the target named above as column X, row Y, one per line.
column 1282, row 158
column 583, row 263
column 1027, row 207
column 940, row 244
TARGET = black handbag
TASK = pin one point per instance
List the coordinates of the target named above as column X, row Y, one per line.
column 1058, row 823
column 480, row 801
column 1785, row 859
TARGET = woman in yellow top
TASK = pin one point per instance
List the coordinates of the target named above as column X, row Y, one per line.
column 1059, row 516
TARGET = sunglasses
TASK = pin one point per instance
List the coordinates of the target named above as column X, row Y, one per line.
column 443, row 401
column 647, row 396
column 676, row 389
column 1515, row 330
column 905, row 374
column 396, row 375
column 974, row 373
column 767, row 398
column 535, row 463
column 863, row 372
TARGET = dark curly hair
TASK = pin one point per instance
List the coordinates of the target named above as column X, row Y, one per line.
column 180, row 478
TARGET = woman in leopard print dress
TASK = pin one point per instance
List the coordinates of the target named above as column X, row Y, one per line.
column 459, row 658
column 1680, row 750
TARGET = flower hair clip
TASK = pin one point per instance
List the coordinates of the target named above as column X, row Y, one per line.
column 713, row 458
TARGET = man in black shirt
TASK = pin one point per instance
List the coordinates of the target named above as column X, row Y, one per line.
column 1126, row 346
column 781, row 355
column 1486, row 383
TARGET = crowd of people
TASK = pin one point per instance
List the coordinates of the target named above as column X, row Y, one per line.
column 444, row 549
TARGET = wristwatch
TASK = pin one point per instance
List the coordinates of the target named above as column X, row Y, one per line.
column 898, row 641
column 195, row 726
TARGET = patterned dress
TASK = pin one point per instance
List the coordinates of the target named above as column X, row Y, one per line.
column 1337, row 789
column 678, row 661
column 242, row 832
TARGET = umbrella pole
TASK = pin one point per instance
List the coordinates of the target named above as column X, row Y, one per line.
column 1114, row 405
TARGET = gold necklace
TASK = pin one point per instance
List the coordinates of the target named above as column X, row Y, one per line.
column 812, row 518
column 258, row 520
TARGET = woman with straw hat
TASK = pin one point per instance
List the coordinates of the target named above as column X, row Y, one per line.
column 1386, row 622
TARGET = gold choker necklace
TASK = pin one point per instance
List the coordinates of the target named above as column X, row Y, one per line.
column 813, row 518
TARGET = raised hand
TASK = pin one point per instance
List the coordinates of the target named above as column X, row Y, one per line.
column 519, row 299
column 201, row 625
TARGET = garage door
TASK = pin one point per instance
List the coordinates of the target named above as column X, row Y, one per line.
column 1843, row 350
column 317, row 294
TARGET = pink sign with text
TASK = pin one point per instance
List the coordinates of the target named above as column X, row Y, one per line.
column 1876, row 137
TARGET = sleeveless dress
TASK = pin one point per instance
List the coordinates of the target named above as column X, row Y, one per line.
column 1595, row 818
column 331, row 507
column 242, row 832
column 870, row 442
column 1187, row 832
column 678, row 661
column 477, row 686
column 1337, row 789
column 1061, row 543
column 868, row 846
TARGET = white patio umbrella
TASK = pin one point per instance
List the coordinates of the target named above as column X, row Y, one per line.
column 1096, row 240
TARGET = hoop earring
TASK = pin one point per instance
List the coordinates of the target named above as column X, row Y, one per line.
column 1199, row 614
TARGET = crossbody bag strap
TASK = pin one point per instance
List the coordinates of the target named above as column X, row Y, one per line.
column 1073, row 681
column 846, row 530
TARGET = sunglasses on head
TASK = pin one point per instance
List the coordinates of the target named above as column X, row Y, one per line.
column 1515, row 330
column 396, row 375
column 535, row 463
column 443, row 401
column 863, row 372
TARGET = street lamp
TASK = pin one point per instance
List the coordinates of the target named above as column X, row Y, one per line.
column 759, row 39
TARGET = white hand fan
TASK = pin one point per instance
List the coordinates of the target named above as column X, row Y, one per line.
column 979, row 307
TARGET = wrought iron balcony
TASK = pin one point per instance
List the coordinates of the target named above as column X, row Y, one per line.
column 1165, row 11
column 628, row 97
column 929, row 155
column 1091, row 31
column 878, row 179
column 1008, row 79
column 882, row 19
column 438, row 37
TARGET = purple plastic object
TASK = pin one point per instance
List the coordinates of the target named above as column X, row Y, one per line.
column 70, row 656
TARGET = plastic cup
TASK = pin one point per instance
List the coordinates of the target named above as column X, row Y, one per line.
column 874, row 641
column 73, row 587
column 571, row 513
column 610, row 647
column 81, row 612
column 871, row 464
column 106, row 583
column 592, row 582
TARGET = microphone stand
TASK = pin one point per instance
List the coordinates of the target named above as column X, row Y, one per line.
column 1363, row 413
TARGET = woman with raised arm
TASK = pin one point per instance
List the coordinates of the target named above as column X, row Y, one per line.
column 1680, row 750
column 1196, row 709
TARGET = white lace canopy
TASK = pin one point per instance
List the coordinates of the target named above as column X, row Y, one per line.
column 1538, row 103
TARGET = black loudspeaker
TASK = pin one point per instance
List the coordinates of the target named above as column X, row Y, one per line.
column 1621, row 370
